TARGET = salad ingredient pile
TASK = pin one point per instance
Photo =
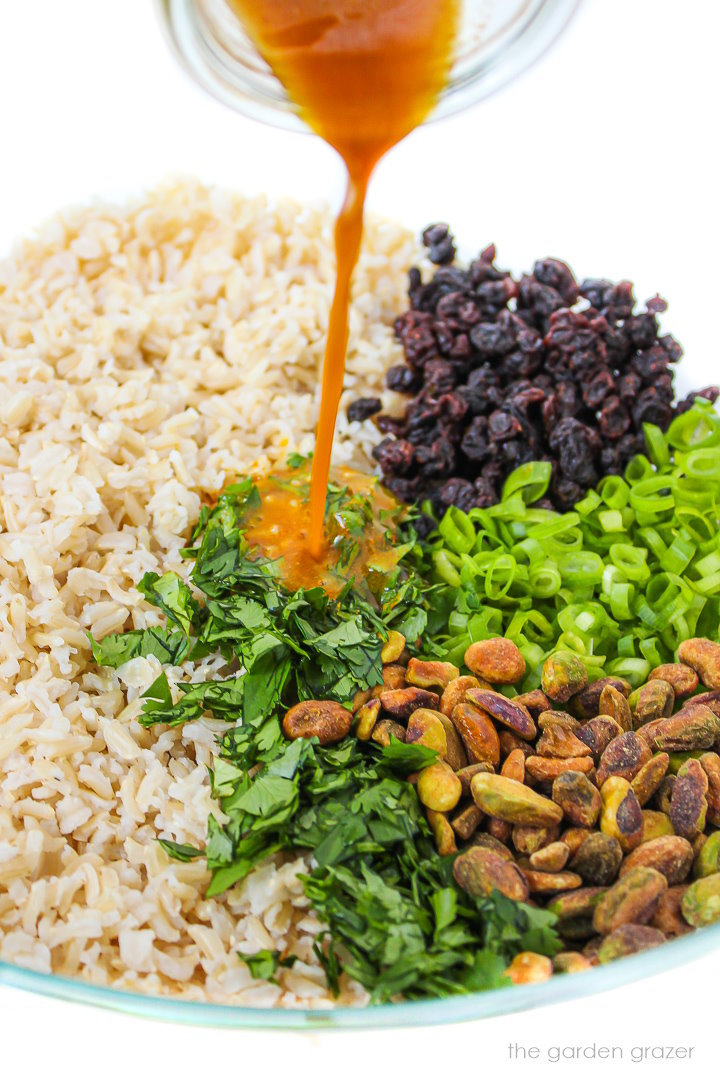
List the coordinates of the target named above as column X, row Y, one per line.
column 622, row 579
column 295, row 778
column 479, row 807
column 503, row 371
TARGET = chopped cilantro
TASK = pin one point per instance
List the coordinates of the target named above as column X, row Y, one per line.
column 172, row 596
column 264, row 964
column 396, row 919
column 168, row 645
column 181, row 852
column 286, row 646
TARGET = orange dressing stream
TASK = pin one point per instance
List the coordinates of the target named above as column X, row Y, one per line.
column 363, row 73
column 279, row 530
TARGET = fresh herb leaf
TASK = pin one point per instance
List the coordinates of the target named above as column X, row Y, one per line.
column 225, row 877
column 296, row 461
column 324, row 950
column 219, row 846
column 158, row 697
column 407, row 757
column 521, row 926
column 264, row 964
column 181, row 852
column 171, row 595
column 168, row 645
column 225, row 776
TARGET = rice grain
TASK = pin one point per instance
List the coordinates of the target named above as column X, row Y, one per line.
column 147, row 355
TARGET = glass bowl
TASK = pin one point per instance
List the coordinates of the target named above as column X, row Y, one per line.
column 440, row 1011
column 497, row 40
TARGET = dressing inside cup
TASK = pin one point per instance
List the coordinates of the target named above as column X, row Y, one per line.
column 497, row 40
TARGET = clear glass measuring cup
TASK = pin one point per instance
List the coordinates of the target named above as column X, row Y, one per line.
column 497, row 40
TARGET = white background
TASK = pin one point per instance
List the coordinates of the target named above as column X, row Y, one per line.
column 604, row 154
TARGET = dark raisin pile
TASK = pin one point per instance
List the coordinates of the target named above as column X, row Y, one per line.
column 503, row 371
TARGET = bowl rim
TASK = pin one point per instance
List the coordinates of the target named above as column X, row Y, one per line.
column 455, row 1009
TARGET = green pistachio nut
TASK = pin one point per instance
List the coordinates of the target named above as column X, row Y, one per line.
column 586, row 703
column 703, row 656
column 701, row 902
column 443, row 833
column 430, row 674
column 578, row 798
column 623, row 756
column 569, row 963
column 656, row 823
column 632, row 899
column 649, row 778
column 426, row 728
column 392, row 650
column 688, row 803
column 707, row 860
column 511, row 801
column 614, row 703
column 466, row 822
column 365, row 719
column 598, row 859
column 563, row 676
column 577, row 904
column 696, row 727
column 671, row 855
column 438, row 787
column 651, row 701
column 627, row 940
column 513, row 716
column 479, row 870
column 621, row 815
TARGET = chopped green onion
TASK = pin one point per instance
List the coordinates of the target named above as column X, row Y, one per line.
column 678, row 555
column 630, row 561
column 530, row 625
column 445, row 569
column 709, row 584
column 530, row 481
column 631, row 668
column 696, row 428
column 710, row 564
column 457, row 530
column 703, row 464
column 614, row 492
column 581, row 568
column 652, row 539
column 621, row 598
column 657, row 446
column 500, row 576
column 486, row 624
column 545, row 581
column 610, row 520
column 639, row 468
column 555, row 527
column 620, row 580
column 457, row 623
column 649, row 647
column 626, row 645
column 591, row 502
column 653, row 494
column 697, row 525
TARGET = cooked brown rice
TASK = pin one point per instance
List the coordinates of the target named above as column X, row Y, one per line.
column 147, row 354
